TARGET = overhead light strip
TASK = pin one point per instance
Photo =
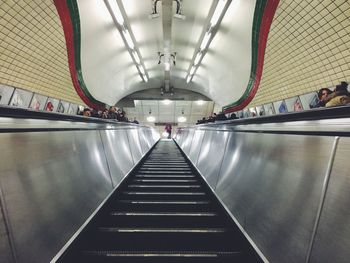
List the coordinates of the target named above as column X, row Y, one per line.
column 208, row 35
column 114, row 9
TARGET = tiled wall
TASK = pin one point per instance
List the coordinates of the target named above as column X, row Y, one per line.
column 33, row 53
column 308, row 48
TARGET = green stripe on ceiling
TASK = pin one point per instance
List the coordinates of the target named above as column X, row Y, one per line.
column 258, row 15
column 74, row 14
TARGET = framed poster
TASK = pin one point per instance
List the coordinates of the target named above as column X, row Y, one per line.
column 73, row 109
column 5, row 94
column 38, row 102
column 63, row 107
column 51, row 104
column 309, row 100
column 239, row 114
column 269, row 109
column 280, row 106
column 246, row 113
column 21, row 98
column 253, row 112
column 260, row 111
column 294, row 104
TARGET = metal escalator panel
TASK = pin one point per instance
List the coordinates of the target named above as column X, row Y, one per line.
column 163, row 212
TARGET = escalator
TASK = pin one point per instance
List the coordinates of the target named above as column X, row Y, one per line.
column 163, row 212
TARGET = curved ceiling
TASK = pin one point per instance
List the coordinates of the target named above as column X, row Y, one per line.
column 107, row 71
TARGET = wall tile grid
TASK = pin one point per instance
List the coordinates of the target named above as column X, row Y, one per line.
column 33, row 53
column 308, row 48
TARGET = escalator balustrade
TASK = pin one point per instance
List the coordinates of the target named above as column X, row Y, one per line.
column 163, row 212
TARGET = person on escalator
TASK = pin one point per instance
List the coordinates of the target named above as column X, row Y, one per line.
column 168, row 129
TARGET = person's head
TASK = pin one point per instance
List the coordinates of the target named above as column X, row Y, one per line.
column 87, row 112
column 323, row 93
column 113, row 109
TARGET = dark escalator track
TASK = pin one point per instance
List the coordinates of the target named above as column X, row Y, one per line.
column 163, row 212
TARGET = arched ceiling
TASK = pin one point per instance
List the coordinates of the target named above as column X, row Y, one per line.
column 107, row 73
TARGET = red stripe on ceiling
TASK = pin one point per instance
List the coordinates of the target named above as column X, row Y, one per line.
column 63, row 12
column 267, row 18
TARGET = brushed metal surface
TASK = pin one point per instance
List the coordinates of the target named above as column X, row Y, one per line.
column 186, row 144
column 332, row 240
column 51, row 182
column 5, row 248
column 145, row 139
column 272, row 185
column 118, row 153
column 135, row 145
column 210, row 157
column 196, row 145
column 181, row 135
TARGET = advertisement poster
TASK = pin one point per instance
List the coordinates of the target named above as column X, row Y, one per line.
column 38, row 102
column 246, row 113
column 253, row 112
column 269, row 109
column 5, row 94
column 260, row 111
column 280, row 106
column 21, row 98
column 51, row 104
column 309, row 100
column 63, row 107
column 294, row 104
column 73, row 108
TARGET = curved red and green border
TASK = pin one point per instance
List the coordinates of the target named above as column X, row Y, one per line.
column 69, row 15
column 263, row 16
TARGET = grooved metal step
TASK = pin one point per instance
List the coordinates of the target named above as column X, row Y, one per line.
column 162, row 213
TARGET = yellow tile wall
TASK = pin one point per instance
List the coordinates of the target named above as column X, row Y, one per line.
column 308, row 48
column 33, row 53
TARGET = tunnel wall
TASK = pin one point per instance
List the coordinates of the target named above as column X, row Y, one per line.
column 273, row 178
column 52, row 181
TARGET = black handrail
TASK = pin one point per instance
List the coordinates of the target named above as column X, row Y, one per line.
column 21, row 113
column 307, row 115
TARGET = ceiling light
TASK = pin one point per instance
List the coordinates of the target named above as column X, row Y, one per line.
column 145, row 78
column 200, row 102
column 151, row 119
column 166, row 102
column 128, row 39
column 167, row 66
column 188, row 78
column 116, row 11
column 136, row 57
column 181, row 119
column 142, row 70
column 205, row 41
column 198, row 58
column 217, row 13
column 192, row 70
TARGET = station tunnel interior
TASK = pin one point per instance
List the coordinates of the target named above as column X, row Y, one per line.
column 173, row 62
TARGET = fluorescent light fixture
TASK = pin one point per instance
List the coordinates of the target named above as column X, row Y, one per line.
column 128, row 39
column 116, row 11
column 192, row 70
column 198, row 57
column 142, row 70
column 151, row 119
column 166, row 102
column 217, row 13
column 136, row 57
column 188, row 78
column 167, row 66
column 145, row 78
column 200, row 102
column 181, row 119
column 205, row 41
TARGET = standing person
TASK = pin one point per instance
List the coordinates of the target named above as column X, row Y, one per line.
column 168, row 130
